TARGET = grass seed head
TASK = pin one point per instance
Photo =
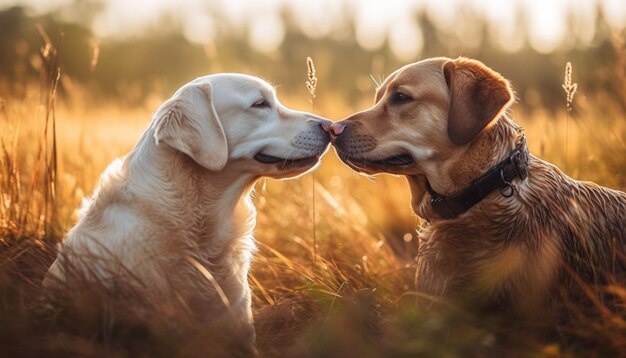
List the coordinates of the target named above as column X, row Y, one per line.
column 569, row 87
column 311, row 83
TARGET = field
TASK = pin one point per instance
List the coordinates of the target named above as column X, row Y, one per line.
column 334, row 274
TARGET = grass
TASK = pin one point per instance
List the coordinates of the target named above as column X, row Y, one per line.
column 352, row 295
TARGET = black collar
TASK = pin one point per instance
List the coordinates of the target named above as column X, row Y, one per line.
column 498, row 177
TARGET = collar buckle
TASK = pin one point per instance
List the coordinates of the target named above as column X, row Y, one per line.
column 507, row 189
column 519, row 161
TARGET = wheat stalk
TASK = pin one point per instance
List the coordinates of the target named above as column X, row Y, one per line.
column 569, row 87
column 50, row 74
column 311, row 85
column 570, row 90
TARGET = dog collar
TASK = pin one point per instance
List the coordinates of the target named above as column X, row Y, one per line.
column 498, row 177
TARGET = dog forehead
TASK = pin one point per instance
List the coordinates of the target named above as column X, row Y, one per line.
column 239, row 82
column 233, row 92
column 228, row 84
column 412, row 74
column 417, row 73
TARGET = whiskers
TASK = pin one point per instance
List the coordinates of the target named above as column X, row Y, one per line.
column 377, row 82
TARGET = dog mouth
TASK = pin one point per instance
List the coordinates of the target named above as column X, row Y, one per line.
column 394, row 162
column 286, row 163
column 397, row 160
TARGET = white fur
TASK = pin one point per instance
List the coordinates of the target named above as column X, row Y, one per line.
column 181, row 196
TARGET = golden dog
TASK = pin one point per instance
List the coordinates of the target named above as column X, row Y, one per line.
column 175, row 215
column 505, row 227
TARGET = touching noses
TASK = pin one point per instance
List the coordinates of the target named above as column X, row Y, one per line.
column 334, row 129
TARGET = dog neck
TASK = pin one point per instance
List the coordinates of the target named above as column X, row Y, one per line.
column 210, row 209
column 461, row 172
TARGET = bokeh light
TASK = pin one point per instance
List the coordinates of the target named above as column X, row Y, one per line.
column 376, row 22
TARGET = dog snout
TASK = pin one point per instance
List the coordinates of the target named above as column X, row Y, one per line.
column 325, row 123
column 334, row 129
column 321, row 123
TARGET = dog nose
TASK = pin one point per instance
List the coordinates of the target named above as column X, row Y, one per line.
column 334, row 129
column 325, row 123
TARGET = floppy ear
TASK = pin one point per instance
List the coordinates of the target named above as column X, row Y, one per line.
column 478, row 95
column 188, row 123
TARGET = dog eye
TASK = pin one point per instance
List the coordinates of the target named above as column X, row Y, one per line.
column 261, row 103
column 400, row 98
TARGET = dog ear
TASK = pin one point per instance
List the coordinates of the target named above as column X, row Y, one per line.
column 478, row 95
column 189, row 123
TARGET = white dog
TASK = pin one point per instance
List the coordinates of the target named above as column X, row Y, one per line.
column 177, row 210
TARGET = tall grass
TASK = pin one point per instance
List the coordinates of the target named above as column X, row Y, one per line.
column 311, row 86
column 29, row 226
column 33, row 205
column 570, row 90
column 359, row 297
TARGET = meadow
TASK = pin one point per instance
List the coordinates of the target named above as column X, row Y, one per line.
column 334, row 274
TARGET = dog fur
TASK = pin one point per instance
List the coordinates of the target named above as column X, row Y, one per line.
column 514, row 253
column 175, row 215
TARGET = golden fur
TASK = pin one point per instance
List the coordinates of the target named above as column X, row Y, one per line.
column 514, row 253
column 175, row 216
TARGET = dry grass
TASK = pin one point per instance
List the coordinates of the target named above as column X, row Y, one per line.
column 353, row 295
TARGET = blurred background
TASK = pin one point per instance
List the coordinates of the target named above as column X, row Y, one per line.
column 120, row 59
column 129, row 50
column 80, row 80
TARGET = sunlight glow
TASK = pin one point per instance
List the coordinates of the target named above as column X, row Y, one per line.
column 199, row 28
column 376, row 23
column 317, row 18
column 505, row 28
column 406, row 39
column 392, row 20
column 130, row 16
column 371, row 24
column 615, row 12
column 547, row 28
column 266, row 32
